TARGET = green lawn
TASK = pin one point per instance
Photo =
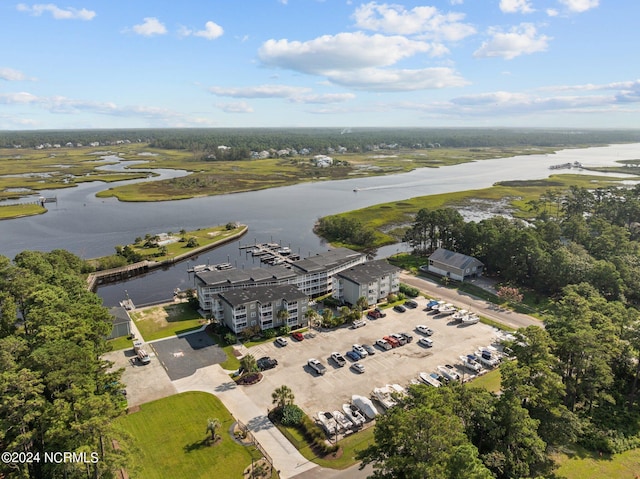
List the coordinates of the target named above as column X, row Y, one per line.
column 490, row 381
column 169, row 436
column 16, row 211
column 123, row 342
column 350, row 446
column 582, row 464
column 166, row 320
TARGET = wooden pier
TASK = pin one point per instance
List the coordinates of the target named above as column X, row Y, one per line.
column 119, row 274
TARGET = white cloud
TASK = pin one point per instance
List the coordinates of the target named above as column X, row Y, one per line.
column 580, row 6
column 552, row 12
column 9, row 74
column 211, row 31
column 520, row 40
column 516, row 6
column 236, row 107
column 260, row 91
column 425, row 21
column 377, row 79
column 151, row 26
column 323, row 99
column 57, row 12
column 344, row 51
column 17, row 98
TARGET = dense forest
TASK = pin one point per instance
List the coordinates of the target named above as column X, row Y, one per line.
column 56, row 394
column 319, row 139
column 576, row 380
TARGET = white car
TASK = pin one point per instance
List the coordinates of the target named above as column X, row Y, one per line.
column 422, row 329
column 357, row 367
column 339, row 359
column 426, row 342
column 281, row 341
column 381, row 343
column 360, row 350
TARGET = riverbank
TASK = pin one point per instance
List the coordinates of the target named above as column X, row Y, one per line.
column 211, row 237
column 389, row 221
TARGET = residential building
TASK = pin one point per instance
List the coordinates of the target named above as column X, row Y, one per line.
column 373, row 280
column 121, row 322
column 312, row 275
column 261, row 306
column 453, row 265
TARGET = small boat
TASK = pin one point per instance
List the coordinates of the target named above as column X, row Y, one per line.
column 387, row 395
column 436, row 307
column 429, row 379
column 365, row 405
column 471, row 364
column 223, row 266
column 431, row 304
column 459, row 315
column 471, row 318
column 328, row 422
column 447, row 308
column 353, row 414
column 342, row 421
column 449, row 373
column 284, row 251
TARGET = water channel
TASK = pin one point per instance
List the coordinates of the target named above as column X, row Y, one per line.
column 90, row 226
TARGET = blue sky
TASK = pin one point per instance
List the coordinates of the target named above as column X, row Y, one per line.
column 334, row 63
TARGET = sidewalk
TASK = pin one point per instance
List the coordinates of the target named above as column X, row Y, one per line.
column 286, row 458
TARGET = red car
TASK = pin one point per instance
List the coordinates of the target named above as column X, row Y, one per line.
column 297, row 336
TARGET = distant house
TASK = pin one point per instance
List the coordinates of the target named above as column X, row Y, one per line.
column 373, row 280
column 121, row 322
column 322, row 161
column 456, row 266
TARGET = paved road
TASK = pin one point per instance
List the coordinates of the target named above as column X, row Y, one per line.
column 470, row 302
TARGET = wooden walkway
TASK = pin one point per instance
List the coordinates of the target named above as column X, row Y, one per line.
column 119, row 274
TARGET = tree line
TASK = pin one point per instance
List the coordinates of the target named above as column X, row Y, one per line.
column 319, row 139
column 579, row 236
column 56, row 394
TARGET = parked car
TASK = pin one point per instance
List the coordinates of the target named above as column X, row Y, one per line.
column 357, row 367
column 338, row 359
column 266, row 362
column 382, row 344
column 143, row 356
column 399, row 308
column 317, row 366
column 422, row 329
column 358, row 323
column 373, row 314
column 399, row 338
column 353, row 355
column 360, row 350
column 392, row 341
column 369, row 349
column 380, row 312
column 297, row 336
column 426, row 342
column 282, row 341
column 411, row 303
column 407, row 337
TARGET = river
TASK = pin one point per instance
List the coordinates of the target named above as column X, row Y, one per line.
column 90, row 226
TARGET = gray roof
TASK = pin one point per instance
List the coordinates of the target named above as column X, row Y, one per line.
column 263, row 294
column 325, row 260
column 119, row 315
column 455, row 260
column 245, row 276
column 368, row 272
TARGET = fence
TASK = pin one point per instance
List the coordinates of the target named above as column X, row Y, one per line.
column 257, row 445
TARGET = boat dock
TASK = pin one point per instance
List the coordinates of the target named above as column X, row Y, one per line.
column 271, row 253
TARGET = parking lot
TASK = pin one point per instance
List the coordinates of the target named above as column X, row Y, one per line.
column 400, row 365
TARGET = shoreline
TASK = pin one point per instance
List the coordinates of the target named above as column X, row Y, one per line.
column 122, row 273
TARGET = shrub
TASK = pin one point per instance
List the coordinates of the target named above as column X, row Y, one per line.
column 409, row 291
column 269, row 333
column 291, row 415
column 284, row 330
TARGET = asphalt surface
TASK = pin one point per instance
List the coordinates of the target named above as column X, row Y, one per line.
column 184, row 355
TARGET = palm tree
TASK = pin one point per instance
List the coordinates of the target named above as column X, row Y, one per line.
column 249, row 364
column 282, row 396
column 311, row 316
column 282, row 315
column 327, row 316
column 362, row 304
column 212, row 427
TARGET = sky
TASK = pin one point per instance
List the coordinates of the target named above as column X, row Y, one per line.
column 83, row 64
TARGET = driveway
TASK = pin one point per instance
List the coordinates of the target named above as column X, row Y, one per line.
column 470, row 302
column 184, row 355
